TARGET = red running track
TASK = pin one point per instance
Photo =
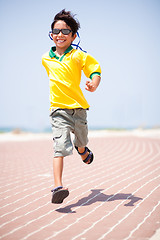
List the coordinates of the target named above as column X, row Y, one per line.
column 116, row 197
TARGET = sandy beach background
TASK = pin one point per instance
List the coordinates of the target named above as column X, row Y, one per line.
column 17, row 135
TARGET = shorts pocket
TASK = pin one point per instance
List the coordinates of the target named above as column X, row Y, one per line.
column 57, row 138
column 62, row 142
column 57, row 134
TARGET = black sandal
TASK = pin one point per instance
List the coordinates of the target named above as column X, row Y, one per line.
column 89, row 157
column 59, row 194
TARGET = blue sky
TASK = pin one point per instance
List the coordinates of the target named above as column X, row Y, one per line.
column 123, row 35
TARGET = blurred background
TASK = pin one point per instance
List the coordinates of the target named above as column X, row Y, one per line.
column 123, row 35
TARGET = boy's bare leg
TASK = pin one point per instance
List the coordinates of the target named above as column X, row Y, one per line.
column 59, row 194
column 57, row 171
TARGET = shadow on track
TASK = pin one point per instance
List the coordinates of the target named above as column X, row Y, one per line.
column 98, row 196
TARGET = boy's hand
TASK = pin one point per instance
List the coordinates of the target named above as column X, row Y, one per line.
column 91, row 86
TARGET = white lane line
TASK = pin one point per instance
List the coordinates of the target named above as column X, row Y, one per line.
column 20, row 186
column 25, row 174
column 20, row 200
column 24, row 190
column 141, row 223
column 17, row 181
column 27, row 213
column 127, row 215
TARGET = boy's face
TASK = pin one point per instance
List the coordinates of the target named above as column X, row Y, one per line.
column 62, row 41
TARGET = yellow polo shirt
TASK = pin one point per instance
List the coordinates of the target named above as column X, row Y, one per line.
column 65, row 76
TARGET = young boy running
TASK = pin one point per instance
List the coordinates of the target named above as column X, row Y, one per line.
column 68, row 107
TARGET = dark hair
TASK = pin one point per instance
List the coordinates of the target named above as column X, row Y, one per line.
column 69, row 19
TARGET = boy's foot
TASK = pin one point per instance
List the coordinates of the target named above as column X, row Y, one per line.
column 59, row 194
column 87, row 155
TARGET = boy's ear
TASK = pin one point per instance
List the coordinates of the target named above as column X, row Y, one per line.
column 51, row 34
column 74, row 36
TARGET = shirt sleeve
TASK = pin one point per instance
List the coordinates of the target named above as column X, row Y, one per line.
column 90, row 66
column 44, row 63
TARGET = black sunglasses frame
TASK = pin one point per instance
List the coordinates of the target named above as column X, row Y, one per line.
column 56, row 31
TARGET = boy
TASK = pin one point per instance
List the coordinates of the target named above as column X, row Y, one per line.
column 68, row 108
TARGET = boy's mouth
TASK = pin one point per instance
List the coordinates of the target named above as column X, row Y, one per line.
column 60, row 40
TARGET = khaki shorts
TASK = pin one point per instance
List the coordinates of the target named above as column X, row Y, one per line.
column 65, row 121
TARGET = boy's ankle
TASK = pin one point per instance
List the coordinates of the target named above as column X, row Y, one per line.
column 81, row 149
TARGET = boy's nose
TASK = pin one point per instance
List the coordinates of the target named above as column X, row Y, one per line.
column 60, row 33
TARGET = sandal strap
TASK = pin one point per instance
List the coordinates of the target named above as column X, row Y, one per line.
column 56, row 189
column 89, row 157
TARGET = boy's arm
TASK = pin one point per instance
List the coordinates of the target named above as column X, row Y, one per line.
column 91, row 86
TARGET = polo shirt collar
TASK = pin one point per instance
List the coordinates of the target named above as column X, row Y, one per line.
column 53, row 49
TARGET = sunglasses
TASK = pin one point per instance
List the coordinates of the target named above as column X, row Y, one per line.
column 64, row 31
